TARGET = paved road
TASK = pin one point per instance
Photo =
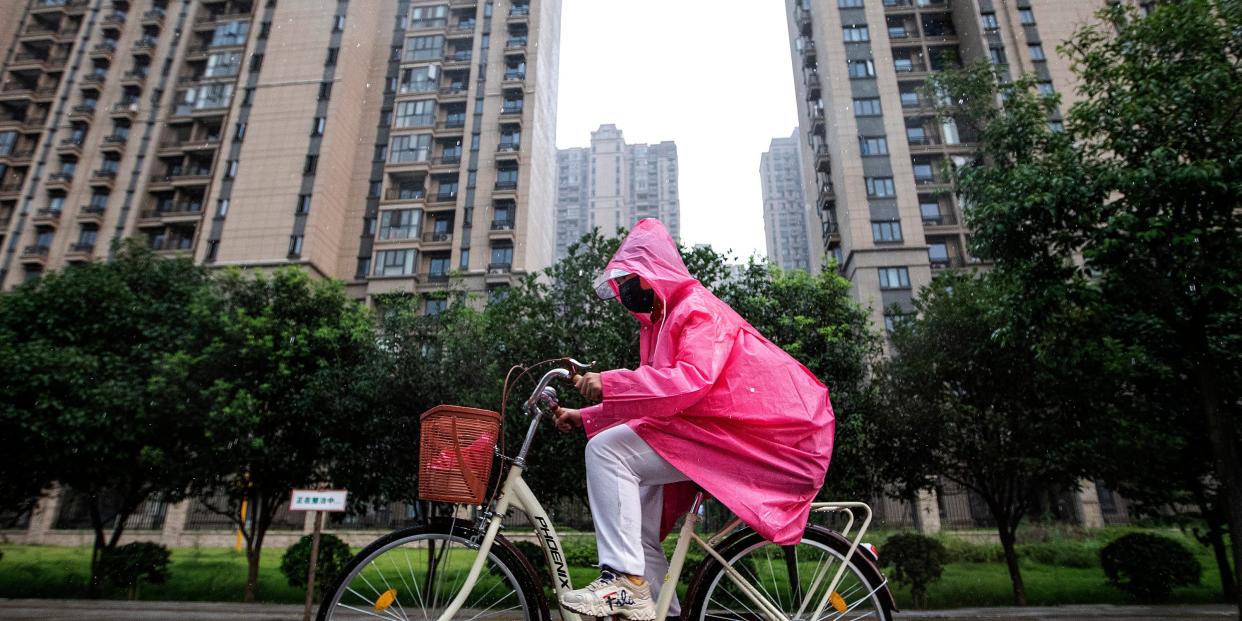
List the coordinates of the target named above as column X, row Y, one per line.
column 39, row 610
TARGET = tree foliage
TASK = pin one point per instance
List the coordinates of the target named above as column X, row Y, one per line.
column 917, row 560
column 82, row 402
column 1149, row 566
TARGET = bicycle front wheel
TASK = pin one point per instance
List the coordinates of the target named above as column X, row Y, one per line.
column 786, row 577
column 413, row 574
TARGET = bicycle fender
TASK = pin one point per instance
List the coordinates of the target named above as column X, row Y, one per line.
column 861, row 559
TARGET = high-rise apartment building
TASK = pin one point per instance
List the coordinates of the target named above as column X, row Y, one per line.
column 612, row 184
column 874, row 151
column 872, row 146
column 785, row 210
column 386, row 144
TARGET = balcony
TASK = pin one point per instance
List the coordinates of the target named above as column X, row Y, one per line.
column 145, row 46
column 499, row 268
column 60, row 180
column 209, row 20
column 154, row 17
column 515, row 44
column 20, row 156
column 504, row 186
column 173, row 212
column 28, row 60
column 71, row 145
column 35, row 254
column 115, row 18
column 817, row 119
column 83, row 112
column 806, row 46
column 453, row 92
column 519, row 14
column 502, row 225
column 103, row 177
column 405, row 194
column 104, row 50
column 823, row 161
column 437, row 237
column 82, row 248
column 802, row 17
column 514, row 76
column 449, row 198
column 12, row 187
column 447, row 161
column 506, row 110
column 436, row 276
column 91, row 213
column 457, row 59
column 814, row 88
column 45, row 216
column 172, row 245
column 134, row 78
column 125, row 109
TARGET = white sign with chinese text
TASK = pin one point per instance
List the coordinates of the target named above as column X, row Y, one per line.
column 317, row 500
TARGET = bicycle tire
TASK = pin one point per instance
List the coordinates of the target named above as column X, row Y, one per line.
column 736, row 547
column 504, row 556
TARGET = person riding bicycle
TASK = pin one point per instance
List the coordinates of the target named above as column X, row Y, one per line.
column 713, row 404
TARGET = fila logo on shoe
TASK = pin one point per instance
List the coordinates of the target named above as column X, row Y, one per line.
column 618, row 598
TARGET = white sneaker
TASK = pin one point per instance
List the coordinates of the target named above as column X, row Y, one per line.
column 612, row 594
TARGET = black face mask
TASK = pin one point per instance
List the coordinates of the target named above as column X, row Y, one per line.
column 635, row 298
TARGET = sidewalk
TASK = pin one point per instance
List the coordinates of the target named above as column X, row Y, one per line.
column 107, row 610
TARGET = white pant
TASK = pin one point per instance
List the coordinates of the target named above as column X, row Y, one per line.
column 625, row 480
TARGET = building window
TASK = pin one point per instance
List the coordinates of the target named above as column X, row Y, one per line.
column 894, row 321
column 502, row 257
column 410, row 148
column 304, row 203
column 213, row 249
column 997, row 55
column 438, row 265
column 1056, row 126
column 1037, row 51
column 856, row 33
column 231, row 33
column 239, row 132
column 230, row 172
column 419, row 79
column 861, row 69
column 424, row 48
column 318, row 125
column 463, row 262
column 395, row 262
column 339, row 24
column 930, row 211
column 880, row 187
column 886, row 231
column 923, row 172
column 429, row 16
column 869, row 106
column 1046, row 89
column 222, row 207
column 364, row 266
column 325, row 91
column 937, row 253
column 507, row 178
column 873, row 145
column 849, row 4
column 295, row 245
column 435, row 306
column 223, row 64
column 416, row 113
column 330, row 59
column 256, row 62
column 400, row 224
column 311, row 164
column 894, row 278
column 1026, row 16
column 989, row 21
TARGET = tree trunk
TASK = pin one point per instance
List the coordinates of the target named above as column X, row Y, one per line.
column 1216, row 538
column 1223, row 439
column 93, row 587
column 252, row 576
column 1008, row 537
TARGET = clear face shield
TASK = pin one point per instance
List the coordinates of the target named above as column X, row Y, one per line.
column 604, row 286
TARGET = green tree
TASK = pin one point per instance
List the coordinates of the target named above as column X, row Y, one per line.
column 965, row 402
column 1144, row 184
column 281, row 380
column 82, row 402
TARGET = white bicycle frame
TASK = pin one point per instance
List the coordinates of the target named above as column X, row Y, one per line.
column 515, row 494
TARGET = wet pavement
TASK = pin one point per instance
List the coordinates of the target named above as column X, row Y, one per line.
column 39, row 610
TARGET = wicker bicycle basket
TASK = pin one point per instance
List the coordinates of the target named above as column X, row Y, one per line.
column 456, row 447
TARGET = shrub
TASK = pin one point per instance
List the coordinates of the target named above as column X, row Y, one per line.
column 917, row 560
column 958, row 551
column 534, row 555
column 1149, row 566
column 133, row 563
column 1063, row 553
column 334, row 554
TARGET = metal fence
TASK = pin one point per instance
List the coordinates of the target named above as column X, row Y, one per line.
column 202, row 516
column 1113, row 508
column 74, row 512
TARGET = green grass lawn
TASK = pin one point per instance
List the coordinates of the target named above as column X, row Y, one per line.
column 212, row 574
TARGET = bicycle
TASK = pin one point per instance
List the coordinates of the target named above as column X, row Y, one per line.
column 451, row 568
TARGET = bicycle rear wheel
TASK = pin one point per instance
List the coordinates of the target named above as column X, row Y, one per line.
column 414, row 573
column 784, row 575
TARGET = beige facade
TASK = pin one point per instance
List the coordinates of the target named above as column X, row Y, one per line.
column 612, row 185
column 393, row 145
column 872, row 147
column 873, row 153
column 785, row 210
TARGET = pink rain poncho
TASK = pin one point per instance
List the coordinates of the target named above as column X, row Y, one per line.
column 740, row 417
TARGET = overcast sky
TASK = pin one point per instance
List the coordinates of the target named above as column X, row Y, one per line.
column 713, row 76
